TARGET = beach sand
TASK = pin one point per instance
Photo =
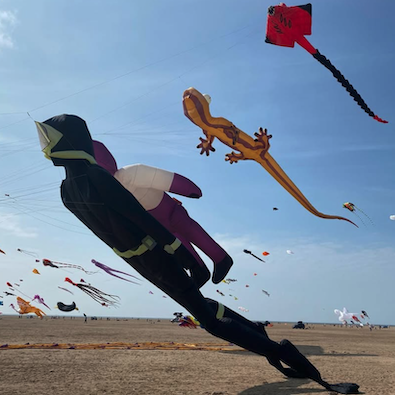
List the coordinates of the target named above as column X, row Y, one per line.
column 341, row 354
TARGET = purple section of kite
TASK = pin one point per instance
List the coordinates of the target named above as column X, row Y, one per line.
column 40, row 300
column 110, row 271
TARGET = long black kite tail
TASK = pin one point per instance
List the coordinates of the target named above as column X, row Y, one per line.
column 349, row 88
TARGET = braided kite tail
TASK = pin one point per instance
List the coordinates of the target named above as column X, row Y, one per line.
column 346, row 84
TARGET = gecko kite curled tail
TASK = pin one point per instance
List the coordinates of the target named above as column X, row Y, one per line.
column 196, row 109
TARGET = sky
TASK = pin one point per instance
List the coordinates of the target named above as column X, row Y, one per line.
column 123, row 66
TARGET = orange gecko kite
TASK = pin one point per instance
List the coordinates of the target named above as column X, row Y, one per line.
column 196, row 108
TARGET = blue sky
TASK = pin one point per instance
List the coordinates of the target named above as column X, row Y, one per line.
column 123, row 66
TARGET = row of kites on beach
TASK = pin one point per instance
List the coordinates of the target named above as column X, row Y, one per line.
column 344, row 316
column 15, row 289
column 150, row 186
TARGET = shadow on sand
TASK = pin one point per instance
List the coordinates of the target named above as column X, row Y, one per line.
column 288, row 387
column 308, row 351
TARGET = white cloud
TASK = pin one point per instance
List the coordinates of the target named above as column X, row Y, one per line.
column 12, row 226
column 7, row 22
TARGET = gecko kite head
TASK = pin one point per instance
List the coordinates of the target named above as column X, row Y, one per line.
column 65, row 139
column 207, row 97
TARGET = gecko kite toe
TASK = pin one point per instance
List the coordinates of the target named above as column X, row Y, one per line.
column 221, row 269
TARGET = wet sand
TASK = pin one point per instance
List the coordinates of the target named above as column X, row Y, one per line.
column 102, row 357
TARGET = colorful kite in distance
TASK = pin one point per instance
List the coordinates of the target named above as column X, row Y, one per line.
column 353, row 208
column 287, row 25
column 249, row 252
column 66, row 307
column 47, row 262
column 35, row 271
column 243, row 309
column 40, row 300
column 265, row 253
column 95, row 294
column 65, row 289
column 31, row 253
column 189, row 322
column 26, row 308
column 196, row 109
column 345, row 315
column 111, row 271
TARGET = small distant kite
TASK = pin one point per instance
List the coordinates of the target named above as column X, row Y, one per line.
column 65, row 289
column 364, row 313
column 353, row 208
column 392, row 217
column 47, row 262
column 2, row 252
column 275, row 208
column 243, row 309
column 35, row 271
column 31, row 253
column 229, row 280
column 221, row 293
column 67, row 307
column 265, row 292
column 345, row 315
column 289, row 252
column 188, row 322
column 250, row 253
column 26, row 308
column 8, row 293
column 265, row 253
column 40, row 300
column 95, row 294
column 111, row 271
column 287, row 25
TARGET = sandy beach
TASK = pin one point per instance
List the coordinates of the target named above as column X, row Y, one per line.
column 58, row 360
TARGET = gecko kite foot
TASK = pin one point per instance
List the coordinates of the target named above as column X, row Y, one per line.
column 205, row 146
column 233, row 157
column 343, row 388
column 263, row 138
column 221, row 269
